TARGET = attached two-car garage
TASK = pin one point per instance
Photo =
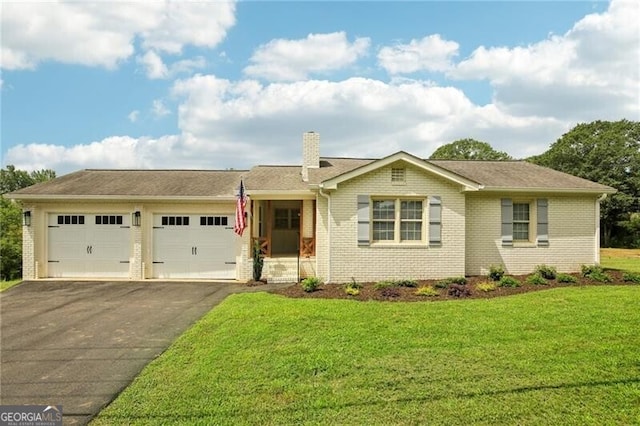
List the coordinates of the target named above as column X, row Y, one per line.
column 99, row 245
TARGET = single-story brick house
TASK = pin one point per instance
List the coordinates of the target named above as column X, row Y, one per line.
column 336, row 218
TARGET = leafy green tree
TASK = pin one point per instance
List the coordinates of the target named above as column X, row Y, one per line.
column 12, row 179
column 10, row 239
column 609, row 153
column 468, row 149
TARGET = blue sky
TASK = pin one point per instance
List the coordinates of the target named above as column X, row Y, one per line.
column 202, row 85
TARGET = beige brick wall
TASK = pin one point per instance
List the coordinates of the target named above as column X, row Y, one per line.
column 572, row 238
column 383, row 261
column 28, row 252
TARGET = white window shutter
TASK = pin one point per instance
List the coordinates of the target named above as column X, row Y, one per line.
column 435, row 220
column 363, row 220
column 507, row 222
column 542, row 213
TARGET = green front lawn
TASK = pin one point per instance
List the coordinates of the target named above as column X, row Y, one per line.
column 561, row 356
column 622, row 259
column 4, row 285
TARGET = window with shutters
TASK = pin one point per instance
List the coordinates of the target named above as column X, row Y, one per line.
column 521, row 221
column 397, row 220
column 525, row 223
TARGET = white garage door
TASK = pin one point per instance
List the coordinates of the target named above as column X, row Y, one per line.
column 193, row 246
column 89, row 245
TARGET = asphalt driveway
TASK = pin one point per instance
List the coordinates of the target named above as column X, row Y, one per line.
column 78, row 344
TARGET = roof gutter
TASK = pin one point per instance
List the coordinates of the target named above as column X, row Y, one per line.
column 550, row 190
column 596, row 248
column 38, row 197
column 328, row 197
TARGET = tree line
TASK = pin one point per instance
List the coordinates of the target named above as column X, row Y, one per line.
column 601, row 151
column 11, row 180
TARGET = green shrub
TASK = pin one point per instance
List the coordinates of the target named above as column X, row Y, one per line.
column 496, row 272
column 310, row 284
column 381, row 285
column 595, row 273
column 631, row 277
column 507, row 281
column 536, row 279
column 566, row 278
column 427, row 291
column 487, row 286
column 354, row 284
column 352, row 291
column 353, row 288
column 451, row 280
column 258, row 261
column 546, row 272
column 587, row 270
column 600, row 276
column 406, row 283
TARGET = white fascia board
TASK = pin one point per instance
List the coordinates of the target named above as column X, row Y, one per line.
column 305, row 194
column 96, row 198
column 550, row 190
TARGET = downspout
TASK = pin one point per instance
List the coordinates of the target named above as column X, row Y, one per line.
column 597, row 244
column 328, row 230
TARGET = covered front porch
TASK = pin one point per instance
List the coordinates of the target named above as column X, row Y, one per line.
column 284, row 231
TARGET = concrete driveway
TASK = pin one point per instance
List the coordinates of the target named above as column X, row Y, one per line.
column 79, row 344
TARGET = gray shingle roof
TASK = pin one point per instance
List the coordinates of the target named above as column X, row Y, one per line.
column 517, row 174
column 282, row 178
column 493, row 175
column 139, row 183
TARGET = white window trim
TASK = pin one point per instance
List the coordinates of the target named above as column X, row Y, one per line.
column 533, row 219
column 397, row 222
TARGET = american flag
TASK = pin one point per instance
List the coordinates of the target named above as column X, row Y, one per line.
column 241, row 203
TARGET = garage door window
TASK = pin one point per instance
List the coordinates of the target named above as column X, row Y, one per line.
column 214, row 220
column 175, row 220
column 71, row 219
column 108, row 220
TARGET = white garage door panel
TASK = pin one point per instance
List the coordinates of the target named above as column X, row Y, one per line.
column 81, row 246
column 193, row 247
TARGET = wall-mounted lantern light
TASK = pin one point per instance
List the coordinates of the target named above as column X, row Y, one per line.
column 26, row 218
column 136, row 218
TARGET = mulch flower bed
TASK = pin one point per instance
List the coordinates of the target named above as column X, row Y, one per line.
column 407, row 294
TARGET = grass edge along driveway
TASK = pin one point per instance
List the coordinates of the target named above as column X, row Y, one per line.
column 562, row 356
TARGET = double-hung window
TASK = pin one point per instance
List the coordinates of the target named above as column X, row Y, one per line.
column 411, row 220
column 521, row 221
column 384, row 220
column 397, row 220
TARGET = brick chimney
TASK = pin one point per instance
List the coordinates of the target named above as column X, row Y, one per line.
column 310, row 153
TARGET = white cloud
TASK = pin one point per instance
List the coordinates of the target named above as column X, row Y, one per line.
column 430, row 53
column 155, row 68
column 540, row 91
column 118, row 152
column 103, row 33
column 153, row 64
column 591, row 72
column 356, row 117
column 133, row 116
column 158, row 109
column 288, row 60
